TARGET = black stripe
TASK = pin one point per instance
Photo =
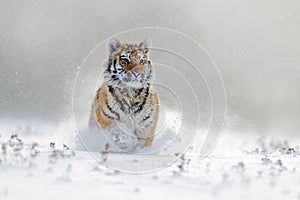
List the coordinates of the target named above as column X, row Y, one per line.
column 114, row 65
column 145, row 118
column 106, row 115
column 112, row 71
column 108, row 68
column 112, row 92
column 111, row 110
column 114, row 77
column 135, row 104
column 144, row 101
column 138, row 92
column 126, row 60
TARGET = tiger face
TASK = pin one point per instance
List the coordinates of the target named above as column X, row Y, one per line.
column 128, row 64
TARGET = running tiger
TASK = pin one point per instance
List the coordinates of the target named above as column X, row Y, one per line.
column 127, row 95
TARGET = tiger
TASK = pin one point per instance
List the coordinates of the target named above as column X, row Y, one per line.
column 127, row 94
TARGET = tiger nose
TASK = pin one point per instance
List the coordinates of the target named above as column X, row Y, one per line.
column 136, row 73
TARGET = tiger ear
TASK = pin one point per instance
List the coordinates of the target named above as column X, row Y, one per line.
column 113, row 45
column 146, row 44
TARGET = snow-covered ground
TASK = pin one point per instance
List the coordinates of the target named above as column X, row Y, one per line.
column 37, row 171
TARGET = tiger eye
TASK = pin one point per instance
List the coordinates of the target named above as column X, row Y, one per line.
column 142, row 61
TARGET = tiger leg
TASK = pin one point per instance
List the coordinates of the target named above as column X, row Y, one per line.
column 102, row 120
column 149, row 139
column 100, row 104
column 150, row 136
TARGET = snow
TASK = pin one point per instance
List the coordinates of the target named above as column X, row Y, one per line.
column 123, row 141
column 38, row 170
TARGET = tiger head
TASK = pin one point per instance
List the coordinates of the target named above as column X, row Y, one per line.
column 128, row 64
